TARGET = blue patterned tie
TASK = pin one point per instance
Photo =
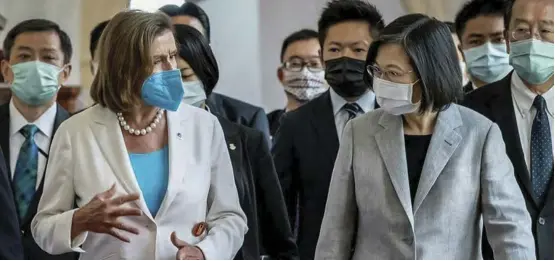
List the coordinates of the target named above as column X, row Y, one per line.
column 541, row 154
column 25, row 179
column 353, row 109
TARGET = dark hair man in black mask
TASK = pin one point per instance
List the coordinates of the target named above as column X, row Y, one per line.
column 306, row 143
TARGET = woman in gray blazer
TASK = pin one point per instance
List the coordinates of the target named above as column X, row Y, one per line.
column 421, row 177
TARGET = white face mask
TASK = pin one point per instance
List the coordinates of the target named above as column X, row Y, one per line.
column 304, row 85
column 394, row 98
column 193, row 93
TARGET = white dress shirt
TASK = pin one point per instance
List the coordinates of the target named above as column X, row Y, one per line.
column 45, row 124
column 366, row 102
column 523, row 99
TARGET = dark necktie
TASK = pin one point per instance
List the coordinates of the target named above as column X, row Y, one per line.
column 541, row 154
column 25, row 178
column 352, row 109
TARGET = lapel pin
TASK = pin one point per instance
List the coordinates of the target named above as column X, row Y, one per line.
column 179, row 135
column 199, row 229
column 232, row 146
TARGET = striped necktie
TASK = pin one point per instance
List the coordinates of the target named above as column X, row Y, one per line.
column 25, row 178
column 353, row 109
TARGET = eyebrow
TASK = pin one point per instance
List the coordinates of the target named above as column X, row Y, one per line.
column 347, row 43
column 160, row 56
column 521, row 20
column 473, row 35
column 24, row 48
column 547, row 22
column 303, row 57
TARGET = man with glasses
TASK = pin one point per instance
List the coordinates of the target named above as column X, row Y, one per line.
column 301, row 73
column 522, row 105
column 480, row 28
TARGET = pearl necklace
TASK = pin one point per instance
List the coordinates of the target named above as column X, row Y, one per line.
column 144, row 131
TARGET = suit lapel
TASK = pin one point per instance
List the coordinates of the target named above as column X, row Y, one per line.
column 180, row 138
column 5, row 134
column 445, row 140
column 106, row 131
column 503, row 113
column 324, row 125
column 392, row 149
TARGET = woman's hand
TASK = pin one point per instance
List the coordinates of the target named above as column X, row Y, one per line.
column 186, row 251
column 101, row 215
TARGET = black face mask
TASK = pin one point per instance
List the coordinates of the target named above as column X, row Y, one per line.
column 345, row 75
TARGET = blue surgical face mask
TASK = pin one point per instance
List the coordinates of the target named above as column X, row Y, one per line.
column 193, row 93
column 35, row 83
column 488, row 62
column 163, row 90
column 532, row 60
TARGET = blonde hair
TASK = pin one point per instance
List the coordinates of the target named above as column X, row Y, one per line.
column 124, row 59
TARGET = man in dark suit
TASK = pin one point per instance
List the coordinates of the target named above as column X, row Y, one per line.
column 480, row 27
column 307, row 141
column 522, row 105
column 37, row 60
column 232, row 109
column 9, row 226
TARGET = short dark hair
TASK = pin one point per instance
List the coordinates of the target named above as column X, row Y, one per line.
column 189, row 9
column 38, row 25
column 95, row 36
column 301, row 35
column 338, row 11
column 195, row 50
column 429, row 45
column 476, row 8
column 451, row 26
column 508, row 13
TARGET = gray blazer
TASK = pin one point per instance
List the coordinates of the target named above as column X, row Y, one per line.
column 466, row 176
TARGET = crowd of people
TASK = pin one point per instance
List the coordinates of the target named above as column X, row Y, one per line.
column 417, row 139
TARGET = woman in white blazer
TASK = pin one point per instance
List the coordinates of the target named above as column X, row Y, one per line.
column 421, row 177
column 137, row 176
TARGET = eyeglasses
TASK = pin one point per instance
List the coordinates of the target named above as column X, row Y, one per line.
column 392, row 75
column 298, row 65
column 520, row 34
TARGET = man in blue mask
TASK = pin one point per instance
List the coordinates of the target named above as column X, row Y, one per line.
column 480, row 27
column 522, row 105
column 36, row 63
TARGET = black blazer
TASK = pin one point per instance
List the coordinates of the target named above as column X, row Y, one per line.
column 31, row 249
column 304, row 150
column 11, row 247
column 468, row 87
column 274, row 119
column 239, row 112
column 495, row 102
column 259, row 195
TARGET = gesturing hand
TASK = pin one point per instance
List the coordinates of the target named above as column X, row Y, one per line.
column 101, row 214
column 186, row 251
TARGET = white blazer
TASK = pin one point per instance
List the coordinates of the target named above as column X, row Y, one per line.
column 88, row 155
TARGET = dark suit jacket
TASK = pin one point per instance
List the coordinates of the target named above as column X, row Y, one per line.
column 274, row 119
column 31, row 249
column 495, row 102
column 239, row 112
column 304, row 150
column 468, row 87
column 259, row 194
column 11, row 247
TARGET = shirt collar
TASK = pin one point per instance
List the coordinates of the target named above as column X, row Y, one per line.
column 524, row 97
column 366, row 101
column 45, row 123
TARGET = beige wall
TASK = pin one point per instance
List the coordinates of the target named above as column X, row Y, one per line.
column 92, row 13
